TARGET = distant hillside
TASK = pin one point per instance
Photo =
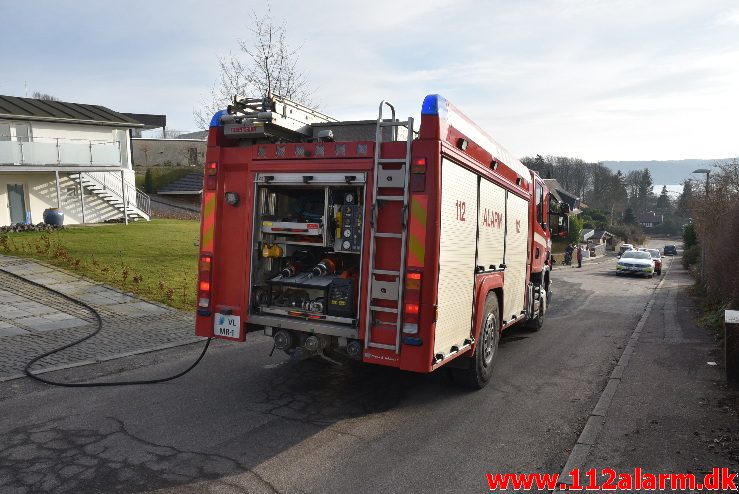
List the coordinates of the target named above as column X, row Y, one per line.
column 670, row 172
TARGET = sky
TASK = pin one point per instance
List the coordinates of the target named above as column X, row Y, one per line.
column 591, row 79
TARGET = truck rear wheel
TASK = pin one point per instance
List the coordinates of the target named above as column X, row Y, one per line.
column 480, row 368
column 537, row 322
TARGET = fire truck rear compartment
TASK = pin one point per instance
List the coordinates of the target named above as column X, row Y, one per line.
column 306, row 260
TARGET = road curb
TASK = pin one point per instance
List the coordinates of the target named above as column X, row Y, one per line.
column 597, row 418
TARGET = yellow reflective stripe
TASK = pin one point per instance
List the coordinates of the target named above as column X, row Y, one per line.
column 418, row 251
column 417, row 232
column 418, row 212
column 209, row 208
column 208, row 238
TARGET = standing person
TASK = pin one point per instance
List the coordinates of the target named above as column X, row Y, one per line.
column 579, row 256
column 568, row 254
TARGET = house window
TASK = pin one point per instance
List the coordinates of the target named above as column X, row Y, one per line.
column 4, row 131
column 22, row 132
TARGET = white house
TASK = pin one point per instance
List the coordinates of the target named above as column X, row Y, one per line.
column 72, row 156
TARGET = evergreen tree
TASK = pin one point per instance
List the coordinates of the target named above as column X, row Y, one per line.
column 664, row 203
column 685, row 199
column 629, row 217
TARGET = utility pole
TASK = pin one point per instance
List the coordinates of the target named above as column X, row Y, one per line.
column 704, row 241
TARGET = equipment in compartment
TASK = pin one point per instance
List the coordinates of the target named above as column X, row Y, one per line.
column 348, row 219
column 291, row 269
column 291, row 228
column 271, row 250
column 341, row 297
column 310, row 244
column 327, row 266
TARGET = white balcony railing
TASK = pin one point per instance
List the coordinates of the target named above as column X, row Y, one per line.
column 61, row 152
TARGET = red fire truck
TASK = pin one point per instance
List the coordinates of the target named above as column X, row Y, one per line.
column 394, row 247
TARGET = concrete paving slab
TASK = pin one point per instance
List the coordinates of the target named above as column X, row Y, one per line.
column 12, row 331
column 8, row 297
column 58, row 316
column 128, row 310
column 30, row 322
column 94, row 298
column 121, row 297
column 61, row 278
column 41, row 279
column 104, row 291
column 63, row 324
column 35, row 308
column 8, row 310
column 26, row 268
column 15, row 313
column 74, row 287
column 148, row 308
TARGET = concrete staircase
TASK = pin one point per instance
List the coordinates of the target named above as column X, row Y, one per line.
column 120, row 194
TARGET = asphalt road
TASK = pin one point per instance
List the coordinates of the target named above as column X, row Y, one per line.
column 246, row 422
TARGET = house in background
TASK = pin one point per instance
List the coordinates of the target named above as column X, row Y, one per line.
column 562, row 195
column 650, row 219
column 76, row 157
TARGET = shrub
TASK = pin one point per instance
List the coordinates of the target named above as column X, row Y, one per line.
column 690, row 237
column 575, row 229
column 691, row 255
column 148, row 182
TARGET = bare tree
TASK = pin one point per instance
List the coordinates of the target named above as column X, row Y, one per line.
column 265, row 63
column 44, row 96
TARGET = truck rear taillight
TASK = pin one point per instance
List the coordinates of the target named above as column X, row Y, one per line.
column 418, row 174
column 204, row 279
column 412, row 307
column 211, row 172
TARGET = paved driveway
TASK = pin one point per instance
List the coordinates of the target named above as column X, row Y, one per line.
column 34, row 319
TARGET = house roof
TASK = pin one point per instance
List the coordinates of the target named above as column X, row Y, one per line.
column 650, row 217
column 200, row 134
column 561, row 195
column 192, row 183
column 13, row 107
column 602, row 234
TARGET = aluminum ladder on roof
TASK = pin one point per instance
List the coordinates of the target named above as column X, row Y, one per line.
column 387, row 178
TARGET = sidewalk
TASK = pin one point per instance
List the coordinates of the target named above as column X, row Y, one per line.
column 668, row 409
column 610, row 256
column 34, row 320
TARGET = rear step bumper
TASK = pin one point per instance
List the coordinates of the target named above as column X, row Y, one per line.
column 313, row 327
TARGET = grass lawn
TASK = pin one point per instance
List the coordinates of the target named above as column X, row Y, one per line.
column 155, row 259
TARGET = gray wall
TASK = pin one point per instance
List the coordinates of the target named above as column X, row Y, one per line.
column 168, row 152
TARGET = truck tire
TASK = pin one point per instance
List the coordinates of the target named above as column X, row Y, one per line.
column 477, row 374
column 537, row 322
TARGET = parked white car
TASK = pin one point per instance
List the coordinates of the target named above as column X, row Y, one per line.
column 636, row 262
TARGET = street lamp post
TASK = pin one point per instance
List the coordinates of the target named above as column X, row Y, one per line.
column 707, row 172
column 704, row 240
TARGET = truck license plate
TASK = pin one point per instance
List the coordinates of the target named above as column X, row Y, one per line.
column 227, row 326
